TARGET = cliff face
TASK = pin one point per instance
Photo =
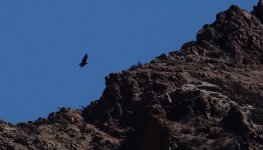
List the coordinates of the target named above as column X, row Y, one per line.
column 208, row 95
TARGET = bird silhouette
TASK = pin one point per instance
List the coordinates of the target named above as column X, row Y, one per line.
column 84, row 61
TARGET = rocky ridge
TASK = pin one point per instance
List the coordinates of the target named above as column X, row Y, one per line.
column 208, row 95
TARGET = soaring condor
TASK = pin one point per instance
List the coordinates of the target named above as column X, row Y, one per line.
column 84, row 61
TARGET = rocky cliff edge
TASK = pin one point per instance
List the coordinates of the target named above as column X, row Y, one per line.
column 208, row 95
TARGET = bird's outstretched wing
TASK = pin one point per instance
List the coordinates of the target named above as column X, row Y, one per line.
column 84, row 59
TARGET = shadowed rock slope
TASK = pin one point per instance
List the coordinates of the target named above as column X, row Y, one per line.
column 208, row 95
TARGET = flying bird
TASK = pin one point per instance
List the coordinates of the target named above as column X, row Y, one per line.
column 84, row 61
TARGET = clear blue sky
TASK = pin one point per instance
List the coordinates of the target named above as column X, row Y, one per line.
column 42, row 43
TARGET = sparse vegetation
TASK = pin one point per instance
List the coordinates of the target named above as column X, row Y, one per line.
column 138, row 65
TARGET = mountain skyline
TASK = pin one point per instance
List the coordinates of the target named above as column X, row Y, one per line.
column 115, row 34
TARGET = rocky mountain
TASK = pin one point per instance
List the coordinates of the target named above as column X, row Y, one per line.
column 208, row 95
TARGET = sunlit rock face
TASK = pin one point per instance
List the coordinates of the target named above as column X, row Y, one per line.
column 207, row 95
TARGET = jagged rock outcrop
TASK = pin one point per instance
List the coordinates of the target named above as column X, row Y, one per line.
column 208, row 95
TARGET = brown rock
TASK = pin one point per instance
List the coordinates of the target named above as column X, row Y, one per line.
column 208, row 95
